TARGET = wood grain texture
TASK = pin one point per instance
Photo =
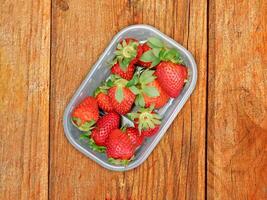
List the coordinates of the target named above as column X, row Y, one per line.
column 237, row 105
column 176, row 168
column 24, row 98
column 237, row 102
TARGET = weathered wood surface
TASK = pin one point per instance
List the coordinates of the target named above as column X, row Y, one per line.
column 24, row 98
column 176, row 168
column 237, row 102
column 223, row 125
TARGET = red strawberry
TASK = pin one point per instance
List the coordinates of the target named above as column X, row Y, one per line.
column 150, row 131
column 105, row 125
column 145, row 48
column 102, row 98
column 136, row 138
column 85, row 115
column 146, row 120
column 158, row 101
column 139, row 53
column 120, row 149
column 148, row 90
column 121, row 106
column 127, row 74
column 127, row 53
column 122, row 98
column 103, row 101
column 171, row 77
column 139, row 48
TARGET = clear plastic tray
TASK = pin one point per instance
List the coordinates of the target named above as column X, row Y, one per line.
column 100, row 71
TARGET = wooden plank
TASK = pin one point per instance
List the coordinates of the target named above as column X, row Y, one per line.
column 237, row 114
column 24, row 94
column 175, row 169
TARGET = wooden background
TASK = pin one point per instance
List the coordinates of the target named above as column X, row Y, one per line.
column 217, row 146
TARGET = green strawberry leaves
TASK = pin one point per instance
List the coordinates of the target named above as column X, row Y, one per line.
column 97, row 91
column 85, row 136
column 95, row 147
column 110, row 83
column 139, row 100
column 155, row 42
column 86, row 126
column 159, row 52
column 120, row 84
column 147, row 76
column 155, row 62
column 125, row 53
column 149, row 56
column 119, row 46
column 139, row 86
column 133, row 115
column 119, row 161
column 134, row 90
column 103, row 88
column 124, row 63
column 146, row 118
column 151, row 91
column 119, row 94
column 91, row 143
column 172, row 55
column 156, row 51
column 132, row 84
column 76, row 121
column 148, row 80
column 133, row 81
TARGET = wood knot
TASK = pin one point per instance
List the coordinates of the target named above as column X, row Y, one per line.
column 63, row 5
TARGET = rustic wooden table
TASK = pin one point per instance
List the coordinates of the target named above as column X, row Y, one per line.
column 216, row 147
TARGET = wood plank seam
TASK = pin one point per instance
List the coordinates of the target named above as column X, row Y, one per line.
column 207, row 102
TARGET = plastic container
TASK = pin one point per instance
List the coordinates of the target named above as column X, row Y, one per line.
column 101, row 71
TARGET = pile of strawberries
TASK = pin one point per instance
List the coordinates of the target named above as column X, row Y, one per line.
column 143, row 79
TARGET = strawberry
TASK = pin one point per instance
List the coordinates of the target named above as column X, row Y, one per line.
column 158, row 101
column 104, row 126
column 136, row 138
column 120, row 149
column 139, row 53
column 102, row 98
column 146, row 120
column 121, row 106
column 139, row 48
column 85, row 115
column 145, row 48
column 158, row 52
column 127, row 54
column 103, row 101
column 150, row 131
column 122, row 98
column 148, row 90
column 126, row 74
column 171, row 77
